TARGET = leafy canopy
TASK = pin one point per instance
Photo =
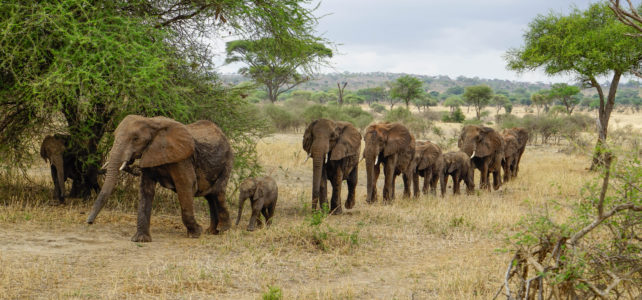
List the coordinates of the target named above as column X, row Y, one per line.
column 478, row 96
column 407, row 88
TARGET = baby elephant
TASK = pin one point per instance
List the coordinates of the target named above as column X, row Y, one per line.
column 456, row 164
column 263, row 193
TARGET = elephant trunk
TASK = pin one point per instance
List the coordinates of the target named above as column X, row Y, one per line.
column 241, row 202
column 317, row 170
column 117, row 160
column 370, row 165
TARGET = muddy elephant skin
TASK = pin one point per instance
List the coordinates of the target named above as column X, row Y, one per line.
column 485, row 147
column 334, row 147
column 392, row 145
column 64, row 165
column 425, row 164
column 191, row 160
column 263, row 193
column 457, row 165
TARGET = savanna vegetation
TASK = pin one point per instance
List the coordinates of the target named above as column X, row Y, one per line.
column 557, row 231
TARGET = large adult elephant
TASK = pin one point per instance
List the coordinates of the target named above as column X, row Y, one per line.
column 392, row 145
column 522, row 135
column 64, row 165
column 485, row 146
column 334, row 147
column 425, row 164
column 192, row 160
column 511, row 152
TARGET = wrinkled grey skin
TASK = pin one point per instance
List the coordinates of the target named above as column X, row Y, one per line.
column 191, row 160
column 334, row 147
column 263, row 193
column 485, row 147
column 392, row 145
column 64, row 165
column 426, row 165
column 457, row 165
column 522, row 135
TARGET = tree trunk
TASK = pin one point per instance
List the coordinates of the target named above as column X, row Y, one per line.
column 604, row 113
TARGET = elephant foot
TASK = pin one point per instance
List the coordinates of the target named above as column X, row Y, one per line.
column 194, row 232
column 57, row 203
column 337, row 211
column 211, row 230
column 349, row 203
column 223, row 226
column 140, row 237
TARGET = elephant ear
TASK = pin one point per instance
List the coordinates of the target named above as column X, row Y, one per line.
column 429, row 156
column 307, row 136
column 172, row 143
column 487, row 142
column 258, row 193
column 398, row 138
column 348, row 141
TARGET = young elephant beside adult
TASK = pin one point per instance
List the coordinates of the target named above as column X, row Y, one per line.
column 192, row 160
column 263, row 193
column 392, row 145
column 522, row 136
column 457, row 165
column 426, row 165
column 511, row 153
column 485, row 146
column 64, row 165
column 334, row 147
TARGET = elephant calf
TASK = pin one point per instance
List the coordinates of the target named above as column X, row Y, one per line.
column 425, row 163
column 263, row 193
column 456, row 164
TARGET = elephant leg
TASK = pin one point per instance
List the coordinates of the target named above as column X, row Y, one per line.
column 484, row 181
column 213, row 204
column 470, row 183
column 377, row 170
column 59, row 190
column 323, row 189
column 270, row 208
column 388, row 173
column 184, row 183
column 415, row 184
column 506, row 168
column 257, row 205
column 497, row 179
column 456, row 181
column 266, row 216
column 407, row 182
column 433, row 183
column 146, row 196
column 443, row 178
column 335, row 201
column 352, row 186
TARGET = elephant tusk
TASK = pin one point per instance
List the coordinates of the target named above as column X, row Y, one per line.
column 306, row 159
column 377, row 160
column 362, row 159
column 123, row 166
column 327, row 157
column 473, row 154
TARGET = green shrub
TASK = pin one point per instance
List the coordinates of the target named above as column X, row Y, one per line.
column 273, row 293
column 280, row 118
column 415, row 124
column 457, row 116
column 353, row 114
column 378, row 108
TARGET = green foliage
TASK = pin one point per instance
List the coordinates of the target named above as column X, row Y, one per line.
column 407, row 88
column 374, row 94
column 456, row 116
column 323, row 97
column 566, row 95
column 280, row 65
column 478, row 96
column 273, row 293
column 376, row 107
column 353, row 114
column 281, row 119
column 500, row 100
column 419, row 126
column 508, row 107
column 454, row 102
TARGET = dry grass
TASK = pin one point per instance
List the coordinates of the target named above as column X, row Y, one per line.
column 414, row 249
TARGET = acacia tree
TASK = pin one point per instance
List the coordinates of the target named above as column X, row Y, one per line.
column 500, row 101
column 566, row 94
column 78, row 67
column 278, row 65
column 541, row 99
column 406, row 88
column 453, row 102
column 588, row 44
column 478, row 96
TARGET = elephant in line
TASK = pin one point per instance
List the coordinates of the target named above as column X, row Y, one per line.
column 64, row 165
column 426, row 165
column 511, row 153
column 485, row 146
column 334, row 147
column 456, row 164
column 263, row 193
column 192, row 160
column 522, row 135
column 392, row 145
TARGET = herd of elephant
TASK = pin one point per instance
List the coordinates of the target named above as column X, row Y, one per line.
column 196, row 160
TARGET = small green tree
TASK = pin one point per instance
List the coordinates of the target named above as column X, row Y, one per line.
column 541, row 99
column 371, row 95
column 500, row 101
column 453, row 102
column 565, row 94
column 278, row 65
column 478, row 96
column 406, row 88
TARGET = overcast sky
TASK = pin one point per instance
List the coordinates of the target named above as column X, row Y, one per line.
column 431, row 37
